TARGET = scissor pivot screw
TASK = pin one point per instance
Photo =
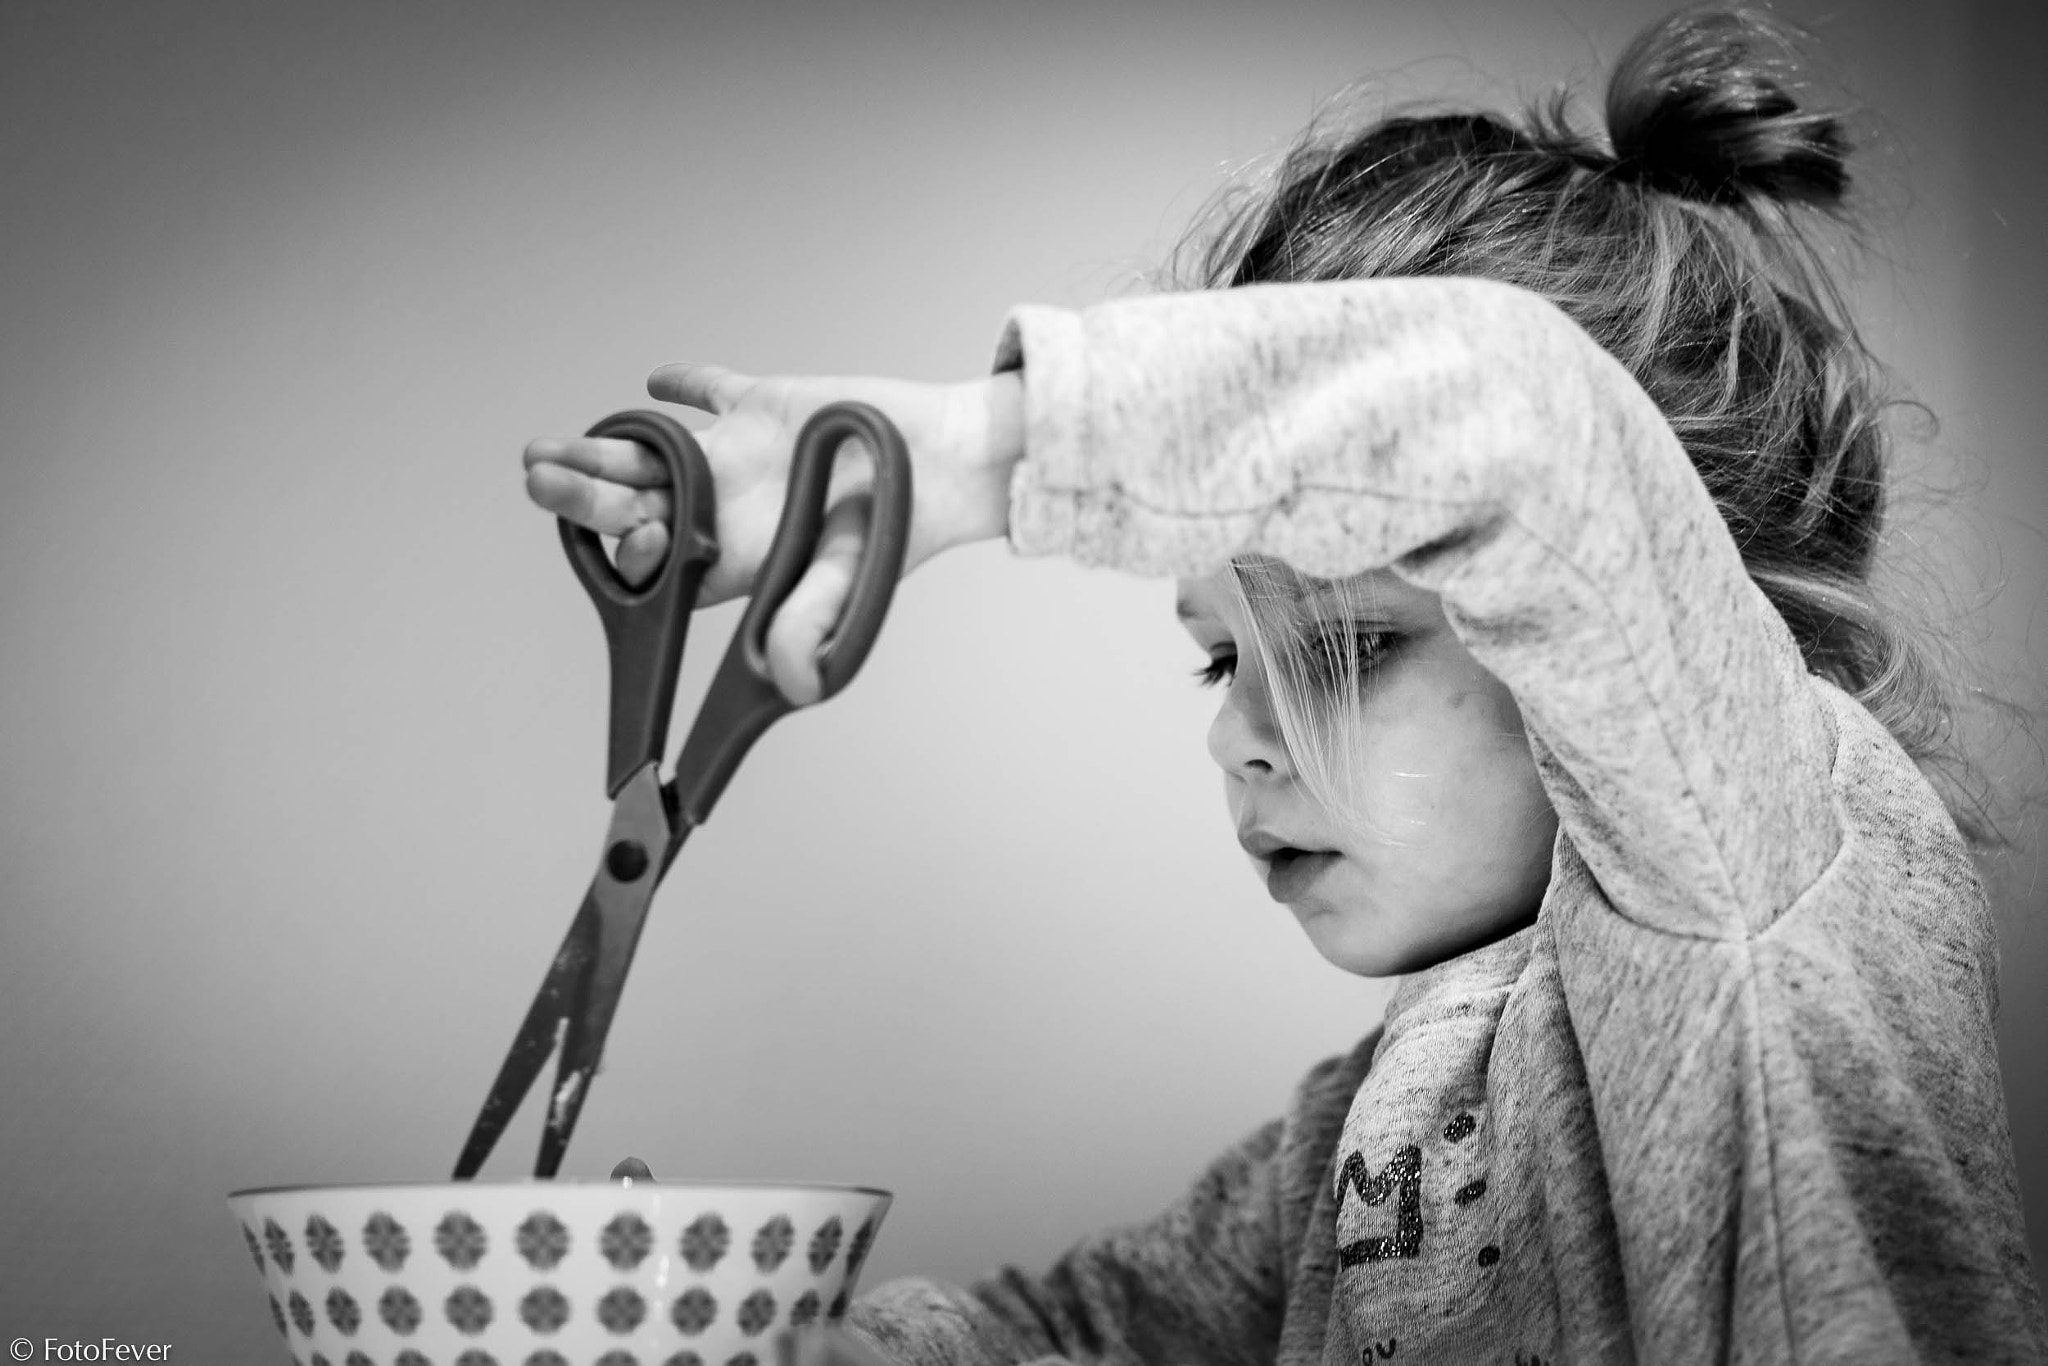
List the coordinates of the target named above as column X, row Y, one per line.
column 626, row 860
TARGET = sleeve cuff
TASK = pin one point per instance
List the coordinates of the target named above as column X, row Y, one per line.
column 1048, row 489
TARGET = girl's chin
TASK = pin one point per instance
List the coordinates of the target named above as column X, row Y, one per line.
column 1345, row 944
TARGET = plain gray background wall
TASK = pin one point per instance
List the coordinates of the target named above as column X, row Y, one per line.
column 301, row 711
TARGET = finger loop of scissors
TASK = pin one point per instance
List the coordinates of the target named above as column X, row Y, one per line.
column 803, row 518
column 744, row 700
column 645, row 627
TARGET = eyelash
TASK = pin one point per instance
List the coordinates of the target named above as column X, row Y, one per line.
column 1370, row 647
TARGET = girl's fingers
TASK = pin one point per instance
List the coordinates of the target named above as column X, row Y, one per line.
column 641, row 551
column 710, row 387
column 602, row 457
column 813, row 605
column 605, row 507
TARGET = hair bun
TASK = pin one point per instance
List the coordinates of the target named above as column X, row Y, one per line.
column 1698, row 107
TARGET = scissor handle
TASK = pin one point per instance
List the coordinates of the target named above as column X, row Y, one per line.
column 644, row 627
column 744, row 700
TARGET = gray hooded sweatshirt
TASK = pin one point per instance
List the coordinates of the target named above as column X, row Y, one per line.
column 1734, row 1097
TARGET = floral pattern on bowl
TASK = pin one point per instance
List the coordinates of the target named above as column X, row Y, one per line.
column 542, row 1240
column 553, row 1273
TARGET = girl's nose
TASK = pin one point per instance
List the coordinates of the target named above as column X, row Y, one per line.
column 1245, row 739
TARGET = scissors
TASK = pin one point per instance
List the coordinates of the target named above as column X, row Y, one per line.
column 644, row 630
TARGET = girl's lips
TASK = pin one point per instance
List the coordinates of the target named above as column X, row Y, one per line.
column 1291, row 872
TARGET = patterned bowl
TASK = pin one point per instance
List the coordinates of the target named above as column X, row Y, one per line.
column 554, row 1273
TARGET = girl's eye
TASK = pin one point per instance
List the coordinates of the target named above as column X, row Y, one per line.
column 1327, row 655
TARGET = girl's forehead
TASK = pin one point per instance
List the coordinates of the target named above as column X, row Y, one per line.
column 1204, row 599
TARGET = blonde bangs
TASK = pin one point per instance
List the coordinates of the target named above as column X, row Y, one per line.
column 1316, row 688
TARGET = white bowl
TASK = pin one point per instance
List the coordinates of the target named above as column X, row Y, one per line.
column 554, row 1273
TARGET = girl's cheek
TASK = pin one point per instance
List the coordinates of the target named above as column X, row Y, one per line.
column 1522, row 822
column 1410, row 762
column 1446, row 759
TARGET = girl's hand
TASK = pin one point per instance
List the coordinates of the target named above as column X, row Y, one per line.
column 963, row 439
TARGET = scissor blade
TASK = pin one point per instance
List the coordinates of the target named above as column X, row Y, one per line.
column 553, row 1005
column 638, row 850
column 583, row 1040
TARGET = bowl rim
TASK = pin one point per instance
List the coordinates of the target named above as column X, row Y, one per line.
column 533, row 1183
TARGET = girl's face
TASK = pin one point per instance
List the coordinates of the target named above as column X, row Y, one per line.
column 1448, row 846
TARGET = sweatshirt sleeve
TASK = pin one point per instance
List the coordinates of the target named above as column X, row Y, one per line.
column 1209, row 1279
column 1200, row 1282
column 1472, row 438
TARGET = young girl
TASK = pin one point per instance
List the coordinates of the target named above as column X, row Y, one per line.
column 1523, row 489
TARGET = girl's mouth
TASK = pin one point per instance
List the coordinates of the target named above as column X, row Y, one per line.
column 1291, row 872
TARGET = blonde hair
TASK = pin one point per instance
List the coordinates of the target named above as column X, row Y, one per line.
column 1304, row 633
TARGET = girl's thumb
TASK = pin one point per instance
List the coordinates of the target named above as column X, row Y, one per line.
column 813, row 606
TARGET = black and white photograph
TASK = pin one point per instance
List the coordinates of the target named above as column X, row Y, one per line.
column 1303, row 683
